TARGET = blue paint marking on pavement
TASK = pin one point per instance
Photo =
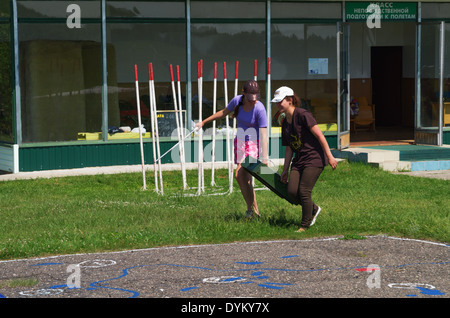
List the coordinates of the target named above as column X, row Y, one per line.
column 57, row 286
column 257, row 273
column 273, row 285
column 2, row 296
column 101, row 283
column 432, row 292
column 269, row 286
column 63, row 286
column 290, row 256
column 188, row 288
column 249, row 263
column 46, row 264
column 232, row 279
column 262, row 277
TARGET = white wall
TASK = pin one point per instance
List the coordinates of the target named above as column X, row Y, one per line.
column 9, row 158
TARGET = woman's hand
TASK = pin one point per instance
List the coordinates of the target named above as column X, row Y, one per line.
column 198, row 125
column 332, row 161
column 284, row 176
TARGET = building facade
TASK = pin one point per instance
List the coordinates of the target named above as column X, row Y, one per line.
column 68, row 82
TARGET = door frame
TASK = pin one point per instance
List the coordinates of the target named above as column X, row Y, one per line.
column 429, row 135
column 343, row 84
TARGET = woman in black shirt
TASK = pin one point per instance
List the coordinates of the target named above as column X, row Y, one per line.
column 302, row 136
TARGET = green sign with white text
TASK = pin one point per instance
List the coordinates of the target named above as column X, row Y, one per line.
column 392, row 11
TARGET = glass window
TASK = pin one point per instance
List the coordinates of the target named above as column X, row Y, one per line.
column 60, row 71
column 130, row 44
column 429, row 79
column 228, row 42
column 228, row 9
column 304, row 58
column 446, row 88
column 147, row 9
column 308, row 10
column 435, row 10
column 57, row 9
column 6, row 94
column 5, row 9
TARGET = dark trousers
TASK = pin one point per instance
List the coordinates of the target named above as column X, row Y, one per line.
column 300, row 186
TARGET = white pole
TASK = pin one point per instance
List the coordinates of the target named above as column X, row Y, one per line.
column 144, row 187
column 158, row 150
column 201, row 186
column 213, row 153
column 255, row 77
column 187, row 135
column 235, row 94
column 236, row 76
column 229, row 155
column 175, row 106
column 268, row 104
column 152, row 123
column 180, row 110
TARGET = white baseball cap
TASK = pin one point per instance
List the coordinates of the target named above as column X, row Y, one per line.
column 281, row 93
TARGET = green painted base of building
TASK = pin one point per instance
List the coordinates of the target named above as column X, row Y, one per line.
column 101, row 154
column 51, row 156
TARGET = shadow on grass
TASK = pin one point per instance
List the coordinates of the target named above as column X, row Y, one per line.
column 280, row 219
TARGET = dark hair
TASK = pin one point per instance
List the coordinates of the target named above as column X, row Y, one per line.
column 236, row 109
column 295, row 100
column 250, row 87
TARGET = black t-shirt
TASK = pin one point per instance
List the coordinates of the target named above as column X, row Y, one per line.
column 306, row 147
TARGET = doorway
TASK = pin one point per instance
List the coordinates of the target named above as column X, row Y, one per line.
column 386, row 70
column 391, row 127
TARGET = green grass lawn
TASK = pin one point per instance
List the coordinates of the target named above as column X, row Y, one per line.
column 110, row 212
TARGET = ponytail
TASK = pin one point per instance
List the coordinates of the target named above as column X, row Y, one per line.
column 295, row 100
column 236, row 109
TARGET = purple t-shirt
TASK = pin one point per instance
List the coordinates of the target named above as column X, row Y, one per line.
column 248, row 123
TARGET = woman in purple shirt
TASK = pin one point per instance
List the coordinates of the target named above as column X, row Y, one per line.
column 302, row 136
column 251, row 120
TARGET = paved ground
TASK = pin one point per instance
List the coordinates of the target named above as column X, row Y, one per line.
column 438, row 174
column 374, row 267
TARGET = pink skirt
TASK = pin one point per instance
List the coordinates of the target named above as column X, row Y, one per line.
column 242, row 149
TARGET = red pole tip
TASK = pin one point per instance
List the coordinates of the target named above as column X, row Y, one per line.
column 198, row 69
column 178, row 73
column 268, row 67
column 171, row 72
column 150, row 71
column 224, row 69
column 256, row 66
column 135, row 72
column 201, row 68
column 237, row 68
column 215, row 69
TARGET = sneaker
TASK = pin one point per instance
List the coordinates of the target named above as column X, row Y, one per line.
column 315, row 216
column 251, row 214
